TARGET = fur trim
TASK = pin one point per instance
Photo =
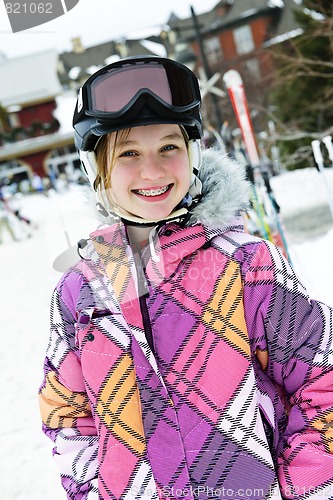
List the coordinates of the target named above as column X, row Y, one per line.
column 225, row 190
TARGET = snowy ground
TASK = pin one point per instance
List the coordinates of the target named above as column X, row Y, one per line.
column 27, row 280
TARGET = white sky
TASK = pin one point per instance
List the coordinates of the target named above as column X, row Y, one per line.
column 95, row 21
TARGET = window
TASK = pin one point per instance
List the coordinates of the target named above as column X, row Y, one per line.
column 13, row 172
column 14, row 120
column 243, row 39
column 253, row 69
column 213, row 50
column 64, row 160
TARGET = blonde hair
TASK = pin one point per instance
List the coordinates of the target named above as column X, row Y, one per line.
column 105, row 159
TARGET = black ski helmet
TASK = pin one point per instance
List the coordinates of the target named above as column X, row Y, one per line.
column 143, row 90
column 136, row 91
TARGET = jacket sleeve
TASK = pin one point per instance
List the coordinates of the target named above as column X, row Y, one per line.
column 297, row 333
column 64, row 404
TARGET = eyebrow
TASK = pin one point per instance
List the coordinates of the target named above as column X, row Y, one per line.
column 173, row 136
column 168, row 137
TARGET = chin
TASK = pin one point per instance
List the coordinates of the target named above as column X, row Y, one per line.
column 153, row 215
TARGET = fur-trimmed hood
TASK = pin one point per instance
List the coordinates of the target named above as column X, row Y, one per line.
column 225, row 191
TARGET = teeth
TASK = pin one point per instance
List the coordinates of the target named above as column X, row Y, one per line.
column 152, row 192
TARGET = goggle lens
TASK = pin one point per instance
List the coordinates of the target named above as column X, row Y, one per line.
column 112, row 91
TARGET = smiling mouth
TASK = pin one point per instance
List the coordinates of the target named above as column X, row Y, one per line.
column 153, row 192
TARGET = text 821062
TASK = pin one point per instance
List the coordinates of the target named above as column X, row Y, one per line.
column 29, row 8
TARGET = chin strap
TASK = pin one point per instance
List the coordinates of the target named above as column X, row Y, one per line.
column 132, row 220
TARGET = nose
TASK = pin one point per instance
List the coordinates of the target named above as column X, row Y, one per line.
column 152, row 169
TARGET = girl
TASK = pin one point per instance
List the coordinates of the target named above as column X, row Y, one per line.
column 185, row 358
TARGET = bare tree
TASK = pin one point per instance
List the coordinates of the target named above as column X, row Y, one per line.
column 301, row 92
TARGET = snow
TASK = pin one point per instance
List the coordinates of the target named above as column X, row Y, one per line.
column 64, row 110
column 283, row 37
column 28, row 278
column 308, row 192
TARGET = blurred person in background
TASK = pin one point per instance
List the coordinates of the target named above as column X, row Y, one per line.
column 5, row 218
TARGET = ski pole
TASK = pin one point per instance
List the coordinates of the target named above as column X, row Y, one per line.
column 327, row 140
column 319, row 160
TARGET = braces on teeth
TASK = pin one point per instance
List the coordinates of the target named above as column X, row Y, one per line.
column 152, row 192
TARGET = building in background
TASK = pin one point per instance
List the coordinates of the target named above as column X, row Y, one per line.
column 234, row 35
column 30, row 132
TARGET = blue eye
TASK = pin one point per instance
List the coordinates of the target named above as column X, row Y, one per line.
column 169, row 147
column 127, row 153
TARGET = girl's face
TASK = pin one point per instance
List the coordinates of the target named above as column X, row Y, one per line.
column 151, row 173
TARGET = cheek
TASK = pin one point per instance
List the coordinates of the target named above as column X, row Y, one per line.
column 115, row 182
column 180, row 167
column 118, row 179
column 184, row 175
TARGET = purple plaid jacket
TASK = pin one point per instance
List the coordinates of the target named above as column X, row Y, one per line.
column 206, row 374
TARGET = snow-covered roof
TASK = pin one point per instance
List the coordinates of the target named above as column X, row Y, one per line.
column 29, row 78
column 65, row 135
column 34, row 145
column 282, row 38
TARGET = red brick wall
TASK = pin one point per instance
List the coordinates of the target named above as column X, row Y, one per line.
column 36, row 162
column 37, row 113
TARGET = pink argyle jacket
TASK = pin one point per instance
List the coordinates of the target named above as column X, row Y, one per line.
column 204, row 372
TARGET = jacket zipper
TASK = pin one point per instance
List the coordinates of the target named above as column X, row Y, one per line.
column 146, row 321
column 143, row 295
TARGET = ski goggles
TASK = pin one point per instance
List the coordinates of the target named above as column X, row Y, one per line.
column 116, row 89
